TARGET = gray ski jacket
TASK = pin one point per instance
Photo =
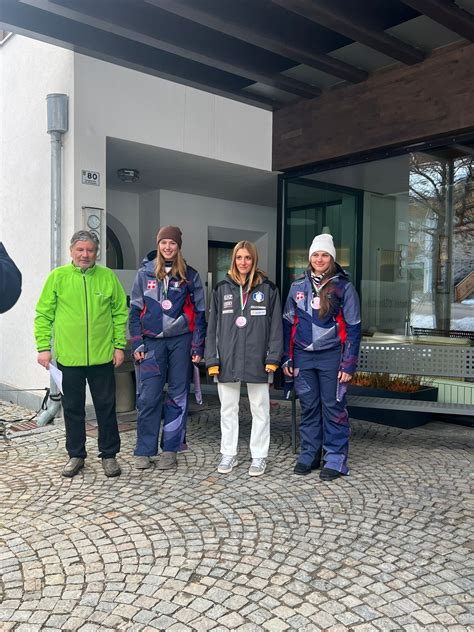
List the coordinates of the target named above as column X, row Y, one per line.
column 242, row 352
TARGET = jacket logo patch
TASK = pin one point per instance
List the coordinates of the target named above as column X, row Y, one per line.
column 299, row 296
column 258, row 312
column 228, row 297
column 175, row 284
column 258, row 297
column 151, row 285
column 227, row 304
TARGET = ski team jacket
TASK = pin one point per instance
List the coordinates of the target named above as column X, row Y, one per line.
column 187, row 314
column 304, row 330
column 241, row 353
column 10, row 281
column 88, row 311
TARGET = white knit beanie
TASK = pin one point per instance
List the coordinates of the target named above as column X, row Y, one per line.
column 323, row 243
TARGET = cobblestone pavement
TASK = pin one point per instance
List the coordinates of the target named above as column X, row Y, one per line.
column 387, row 548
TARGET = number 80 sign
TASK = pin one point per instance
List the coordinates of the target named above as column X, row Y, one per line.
column 90, row 177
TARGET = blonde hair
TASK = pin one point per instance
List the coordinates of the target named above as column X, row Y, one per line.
column 178, row 269
column 255, row 276
column 324, row 294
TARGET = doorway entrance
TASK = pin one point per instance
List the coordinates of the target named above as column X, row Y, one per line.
column 220, row 256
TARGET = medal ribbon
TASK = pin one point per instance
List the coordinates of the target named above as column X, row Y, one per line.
column 315, row 290
column 317, row 287
column 243, row 301
column 164, row 285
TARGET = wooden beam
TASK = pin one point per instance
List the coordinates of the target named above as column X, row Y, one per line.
column 27, row 20
column 110, row 18
column 448, row 14
column 467, row 150
column 433, row 99
column 266, row 40
column 328, row 15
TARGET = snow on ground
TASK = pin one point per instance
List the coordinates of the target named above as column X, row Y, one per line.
column 461, row 324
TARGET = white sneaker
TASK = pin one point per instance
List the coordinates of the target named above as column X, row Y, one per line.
column 227, row 464
column 257, row 467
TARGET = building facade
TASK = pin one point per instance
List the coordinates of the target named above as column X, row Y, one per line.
column 204, row 163
column 271, row 121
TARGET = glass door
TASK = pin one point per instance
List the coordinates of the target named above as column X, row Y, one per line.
column 315, row 207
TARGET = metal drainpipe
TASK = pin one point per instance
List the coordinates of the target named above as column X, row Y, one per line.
column 57, row 106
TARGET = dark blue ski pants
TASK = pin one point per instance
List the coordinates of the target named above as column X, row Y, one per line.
column 324, row 420
column 167, row 360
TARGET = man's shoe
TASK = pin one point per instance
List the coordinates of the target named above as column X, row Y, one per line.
column 302, row 468
column 73, row 466
column 111, row 467
column 227, row 464
column 142, row 462
column 328, row 474
column 257, row 467
column 167, row 461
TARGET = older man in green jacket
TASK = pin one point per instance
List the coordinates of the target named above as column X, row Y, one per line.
column 83, row 306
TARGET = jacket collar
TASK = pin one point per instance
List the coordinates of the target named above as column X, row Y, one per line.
column 91, row 270
column 340, row 273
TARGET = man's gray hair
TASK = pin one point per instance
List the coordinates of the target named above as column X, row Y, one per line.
column 85, row 235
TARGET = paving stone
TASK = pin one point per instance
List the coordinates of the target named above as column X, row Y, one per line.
column 384, row 549
column 275, row 625
column 179, row 627
column 203, row 623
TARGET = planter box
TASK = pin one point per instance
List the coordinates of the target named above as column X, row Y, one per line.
column 397, row 419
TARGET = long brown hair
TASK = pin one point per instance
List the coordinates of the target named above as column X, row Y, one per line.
column 255, row 275
column 324, row 293
column 178, row 269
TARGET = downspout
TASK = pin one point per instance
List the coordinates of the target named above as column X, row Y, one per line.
column 57, row 106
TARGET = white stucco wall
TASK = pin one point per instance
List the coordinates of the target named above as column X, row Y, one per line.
column 124, row 207
column 122, row 103
column 202, row 218
column 29, row 70
column 149, row 219
column 105, row 100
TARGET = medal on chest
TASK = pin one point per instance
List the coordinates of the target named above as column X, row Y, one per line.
column 316, row 289
column 166, row 304
column 241, row 320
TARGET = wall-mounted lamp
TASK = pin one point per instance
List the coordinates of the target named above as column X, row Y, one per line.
column 128, row 175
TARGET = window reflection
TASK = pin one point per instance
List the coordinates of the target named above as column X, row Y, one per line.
column 412, row 220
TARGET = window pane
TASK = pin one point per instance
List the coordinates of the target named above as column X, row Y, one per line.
column 312, row 208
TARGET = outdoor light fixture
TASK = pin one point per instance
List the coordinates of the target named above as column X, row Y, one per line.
column 128, row 175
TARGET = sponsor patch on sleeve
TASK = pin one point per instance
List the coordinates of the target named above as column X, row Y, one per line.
column 151, row 285
column 299, row 296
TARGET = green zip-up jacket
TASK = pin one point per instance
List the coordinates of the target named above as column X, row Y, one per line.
column 88, row 313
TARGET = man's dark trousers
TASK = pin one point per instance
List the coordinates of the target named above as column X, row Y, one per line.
column 101, row 380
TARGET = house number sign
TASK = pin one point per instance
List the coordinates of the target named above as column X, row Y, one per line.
column 91, row 177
